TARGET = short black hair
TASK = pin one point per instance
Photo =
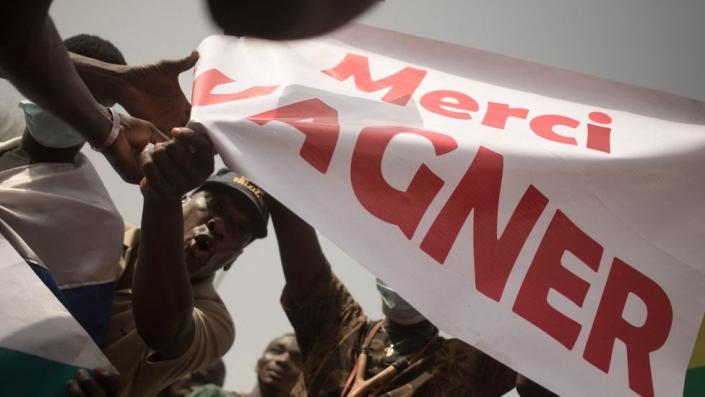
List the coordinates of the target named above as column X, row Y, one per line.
column 286, row 335
column 95, row 47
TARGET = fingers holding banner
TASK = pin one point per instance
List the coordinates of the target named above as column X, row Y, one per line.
column 173, row 168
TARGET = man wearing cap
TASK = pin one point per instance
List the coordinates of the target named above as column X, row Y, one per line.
column 346, row 354
column 167, row 318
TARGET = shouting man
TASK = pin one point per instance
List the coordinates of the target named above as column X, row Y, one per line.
column 167, row 318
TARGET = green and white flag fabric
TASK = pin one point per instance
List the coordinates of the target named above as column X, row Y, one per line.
column 41, row 344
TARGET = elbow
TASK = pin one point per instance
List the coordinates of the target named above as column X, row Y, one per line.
column 169, row 339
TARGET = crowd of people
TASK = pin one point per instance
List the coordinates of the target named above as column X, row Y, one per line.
column 151, row 304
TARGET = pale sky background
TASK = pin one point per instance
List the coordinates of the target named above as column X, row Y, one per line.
column 652, row 43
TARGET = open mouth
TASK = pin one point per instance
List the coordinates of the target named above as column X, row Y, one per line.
column 201, row 247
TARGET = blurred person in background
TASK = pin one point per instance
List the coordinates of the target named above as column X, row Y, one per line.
column 277, row 370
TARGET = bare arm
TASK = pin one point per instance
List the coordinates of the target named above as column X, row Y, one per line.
column 162, row 297
column 104, row 80
column 35, row 60
column 150, row 92
column 301, row 255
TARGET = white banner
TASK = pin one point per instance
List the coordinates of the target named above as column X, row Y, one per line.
column 551, row 219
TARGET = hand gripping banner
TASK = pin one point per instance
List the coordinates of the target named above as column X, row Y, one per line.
column 551, row 219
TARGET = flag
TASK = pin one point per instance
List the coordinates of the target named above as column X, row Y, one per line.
column 64, row 213
column 41, row 344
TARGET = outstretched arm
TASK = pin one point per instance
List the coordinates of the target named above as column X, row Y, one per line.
column 301, row 255
column 35, row 60
column 150, row 92
column 162, row 298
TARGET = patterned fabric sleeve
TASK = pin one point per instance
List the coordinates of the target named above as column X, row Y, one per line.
column 462, row 370
column 322, row 320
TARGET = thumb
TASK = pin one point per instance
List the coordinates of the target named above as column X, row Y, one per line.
column 181, row 65
column 157, row 136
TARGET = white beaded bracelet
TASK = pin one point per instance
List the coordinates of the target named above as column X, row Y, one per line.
column 114, row 132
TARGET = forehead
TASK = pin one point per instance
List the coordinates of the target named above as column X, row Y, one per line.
column 235, row 204
column 287, row 341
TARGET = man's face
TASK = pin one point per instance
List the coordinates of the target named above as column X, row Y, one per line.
column 280, row 364
column 217, row 226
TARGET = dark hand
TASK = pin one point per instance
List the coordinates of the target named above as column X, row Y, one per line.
column 153, row 92
column 106, row 384
column 124, row 153
column 173, row 168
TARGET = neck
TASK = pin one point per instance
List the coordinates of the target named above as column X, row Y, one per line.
column 424, row 329
column 42, row 154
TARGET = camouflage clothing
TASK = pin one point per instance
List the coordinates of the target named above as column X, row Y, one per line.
column 330, row 327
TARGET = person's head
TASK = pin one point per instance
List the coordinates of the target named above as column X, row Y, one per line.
column 213, row 374
column 97, row 48
column 284, row 19
column 280, row 364
column 221, row 218
column 46, row 131
column 395, row 308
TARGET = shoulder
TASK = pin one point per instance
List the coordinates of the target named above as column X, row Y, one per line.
column 214, row 334
column 213, row 321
